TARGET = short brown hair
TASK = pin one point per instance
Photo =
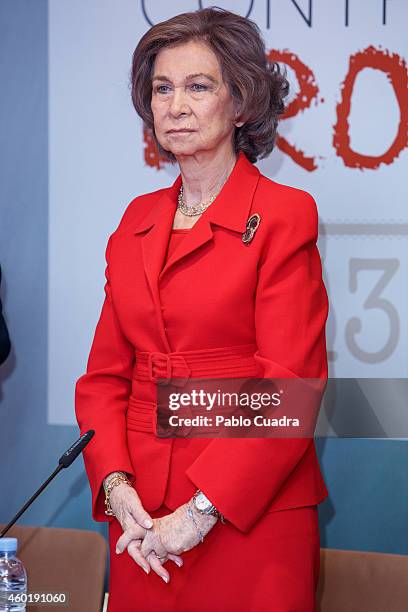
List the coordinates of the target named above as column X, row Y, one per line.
column 256, row 85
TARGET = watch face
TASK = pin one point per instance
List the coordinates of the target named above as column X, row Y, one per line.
column 202, row 502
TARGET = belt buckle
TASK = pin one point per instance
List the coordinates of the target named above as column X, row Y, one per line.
column 150, row 364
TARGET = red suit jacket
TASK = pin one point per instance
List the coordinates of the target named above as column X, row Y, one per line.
column 213, row 292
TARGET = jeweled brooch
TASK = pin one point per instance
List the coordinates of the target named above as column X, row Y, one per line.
column 251, row 227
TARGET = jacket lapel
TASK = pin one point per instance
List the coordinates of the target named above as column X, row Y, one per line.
column 158, row 223
column 230, row 209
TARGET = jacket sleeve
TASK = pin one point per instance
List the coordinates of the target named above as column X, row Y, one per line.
column 101, row 398
column 241, row 476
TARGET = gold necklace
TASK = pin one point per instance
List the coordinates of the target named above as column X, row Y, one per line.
column 197, row 209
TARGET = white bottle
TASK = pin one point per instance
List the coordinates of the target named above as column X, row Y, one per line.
column 13, row 578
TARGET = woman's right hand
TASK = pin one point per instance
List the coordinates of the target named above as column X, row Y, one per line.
column 134, row 520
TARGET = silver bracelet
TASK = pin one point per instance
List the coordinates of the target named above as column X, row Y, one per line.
column 190, row 513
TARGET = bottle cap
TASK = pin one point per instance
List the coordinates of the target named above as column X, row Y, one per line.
column 8, row 545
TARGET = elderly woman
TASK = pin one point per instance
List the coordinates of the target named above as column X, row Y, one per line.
column 217, row 275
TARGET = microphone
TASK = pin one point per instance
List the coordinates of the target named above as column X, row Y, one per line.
column 72, row 453
column 64, row 461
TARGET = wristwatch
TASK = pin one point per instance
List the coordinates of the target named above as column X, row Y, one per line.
column 204, row 506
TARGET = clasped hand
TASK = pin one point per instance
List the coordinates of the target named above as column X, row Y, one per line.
column 166, row 539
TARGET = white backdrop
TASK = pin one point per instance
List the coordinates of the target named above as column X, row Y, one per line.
column 353, row 161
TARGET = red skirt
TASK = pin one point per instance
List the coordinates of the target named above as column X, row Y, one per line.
column 273, row 568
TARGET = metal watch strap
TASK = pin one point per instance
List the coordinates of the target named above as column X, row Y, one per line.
column 212, row 510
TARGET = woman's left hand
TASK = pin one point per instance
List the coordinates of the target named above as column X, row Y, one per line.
column 173, row 534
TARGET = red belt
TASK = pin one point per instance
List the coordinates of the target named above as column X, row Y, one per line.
column 178, row 367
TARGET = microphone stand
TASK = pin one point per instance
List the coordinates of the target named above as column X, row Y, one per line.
column 30, row 501
column 65, row 461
